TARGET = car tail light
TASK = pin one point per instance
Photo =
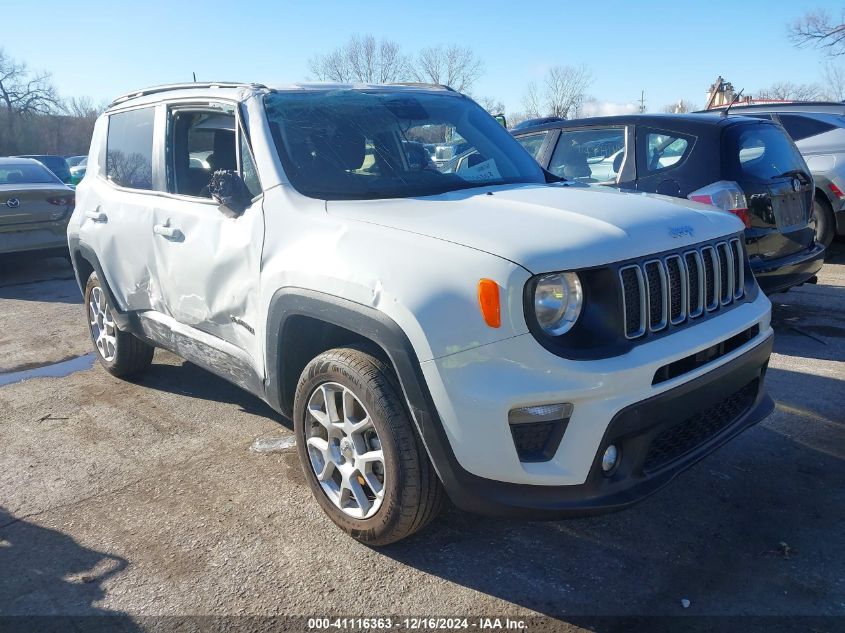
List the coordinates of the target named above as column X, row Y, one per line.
column 726, row 195
column 836, row 191
column 66, row 201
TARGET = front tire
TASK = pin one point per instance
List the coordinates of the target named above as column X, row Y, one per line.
column 359, row 451
column 120, row 353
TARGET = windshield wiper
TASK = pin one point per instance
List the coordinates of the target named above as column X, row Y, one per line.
column 798, row 173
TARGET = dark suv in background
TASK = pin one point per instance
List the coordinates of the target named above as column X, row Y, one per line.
column 746, row 166
column 56, row 164
column 818, row 129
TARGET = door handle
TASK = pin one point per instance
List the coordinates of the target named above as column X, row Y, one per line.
column 97, row 216
column 170, row 232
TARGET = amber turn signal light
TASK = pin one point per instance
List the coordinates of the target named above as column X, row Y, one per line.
column 488, row 301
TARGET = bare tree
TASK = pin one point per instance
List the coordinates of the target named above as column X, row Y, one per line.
column 679, row 107
column 818, row 28
column 363, row 59
column 453, row 66
column 23, row 93
column 564, row 90
column 531, row 101
column 833, row 76
column 563, row 94
column 788, row 91
column 493, row 106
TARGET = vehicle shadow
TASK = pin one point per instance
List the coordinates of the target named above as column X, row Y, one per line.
column 748, row 531
column 49, row 580
column 187, row 379
column 34, row 277
column 810, row 325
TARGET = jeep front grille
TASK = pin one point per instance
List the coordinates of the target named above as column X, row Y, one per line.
column 682, row 286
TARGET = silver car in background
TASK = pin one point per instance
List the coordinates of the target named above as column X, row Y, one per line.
column 34, row 207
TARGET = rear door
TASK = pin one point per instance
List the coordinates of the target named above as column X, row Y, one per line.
column 778, row 188
column 116, row 207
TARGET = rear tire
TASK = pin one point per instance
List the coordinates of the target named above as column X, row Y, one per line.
column 375, row 480
column 824, row 221
column 120, row 353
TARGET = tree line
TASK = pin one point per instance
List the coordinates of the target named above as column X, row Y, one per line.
column 34, row 119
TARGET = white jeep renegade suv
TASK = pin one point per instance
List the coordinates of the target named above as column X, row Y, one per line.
column 526, row 345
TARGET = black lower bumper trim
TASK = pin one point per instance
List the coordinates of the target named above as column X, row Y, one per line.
column 783, row 273
column 634, row 430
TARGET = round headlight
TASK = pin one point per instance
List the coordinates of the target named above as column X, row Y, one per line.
column 557, row 302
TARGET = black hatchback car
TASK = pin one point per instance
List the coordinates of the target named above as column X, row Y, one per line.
column 746, row 166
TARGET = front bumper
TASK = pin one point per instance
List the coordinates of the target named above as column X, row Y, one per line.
column 729, row 399
column 777, row 275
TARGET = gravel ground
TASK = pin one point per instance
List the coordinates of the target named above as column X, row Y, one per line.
column 143, row 499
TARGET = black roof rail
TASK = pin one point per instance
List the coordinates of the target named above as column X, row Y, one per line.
column 193, row 84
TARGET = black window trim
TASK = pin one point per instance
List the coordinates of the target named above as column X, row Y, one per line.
column 161, row 107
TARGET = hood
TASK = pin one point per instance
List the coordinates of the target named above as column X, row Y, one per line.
column 546, row 228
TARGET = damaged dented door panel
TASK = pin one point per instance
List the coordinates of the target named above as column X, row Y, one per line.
column 207, row 257
column 116, row 213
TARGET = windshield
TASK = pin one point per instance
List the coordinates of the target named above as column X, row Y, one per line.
column 353, row 144
column 25, row 173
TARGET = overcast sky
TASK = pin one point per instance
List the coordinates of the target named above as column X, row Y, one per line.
column 669, row 49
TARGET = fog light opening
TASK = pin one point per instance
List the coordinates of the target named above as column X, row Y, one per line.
column 610, row 459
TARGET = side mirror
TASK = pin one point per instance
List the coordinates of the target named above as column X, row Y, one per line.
column 229, row 191
column 502, row 120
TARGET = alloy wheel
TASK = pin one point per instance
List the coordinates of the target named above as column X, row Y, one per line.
column 344, row 450
column 102, row 324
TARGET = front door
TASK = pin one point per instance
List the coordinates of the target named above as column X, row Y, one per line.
column 208, row 260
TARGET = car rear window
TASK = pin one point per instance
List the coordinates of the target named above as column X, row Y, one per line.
column 761, row 152
column 26, row 173
column 801, row 127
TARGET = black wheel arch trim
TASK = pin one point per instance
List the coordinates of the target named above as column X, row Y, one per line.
column 124, row 320
column 384, row 332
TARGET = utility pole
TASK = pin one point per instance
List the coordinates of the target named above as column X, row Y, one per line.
column 642, row 102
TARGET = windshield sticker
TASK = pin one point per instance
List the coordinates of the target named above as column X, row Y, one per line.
column 481, row 172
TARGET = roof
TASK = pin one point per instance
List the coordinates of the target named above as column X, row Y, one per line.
column 785, row 106
column 230, row 89
column 683, row 121
column 17, row 160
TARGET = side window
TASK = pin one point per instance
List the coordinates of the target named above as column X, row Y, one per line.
column 801, row 127
column 199, row 142
column 248, row 170
column 664, row 150
column 532, row 142
column 129, row 148
column 589, row 155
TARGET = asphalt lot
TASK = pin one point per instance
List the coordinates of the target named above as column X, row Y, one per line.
column 145, row 499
